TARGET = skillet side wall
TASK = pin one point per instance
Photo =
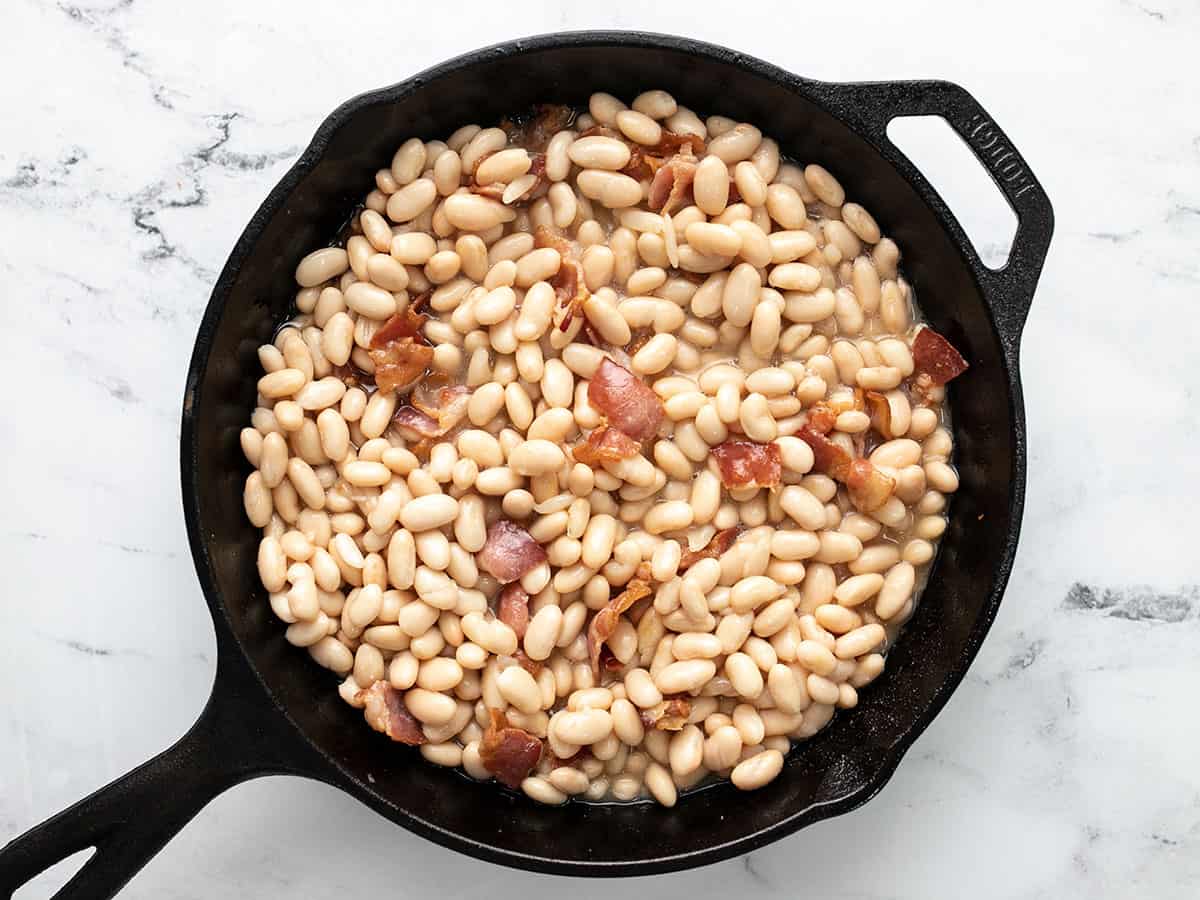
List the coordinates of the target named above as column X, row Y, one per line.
column 831, row 773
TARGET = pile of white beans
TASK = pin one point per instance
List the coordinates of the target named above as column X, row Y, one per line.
column 789, row 297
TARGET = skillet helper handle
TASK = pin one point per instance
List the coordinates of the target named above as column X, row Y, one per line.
column 1009, row 290
column 236, row 737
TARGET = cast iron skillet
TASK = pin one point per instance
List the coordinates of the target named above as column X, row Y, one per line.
column 273, row 711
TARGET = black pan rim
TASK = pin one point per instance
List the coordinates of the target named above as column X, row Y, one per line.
column 814, row 91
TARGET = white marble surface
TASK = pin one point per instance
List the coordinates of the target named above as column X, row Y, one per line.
column 137, row 139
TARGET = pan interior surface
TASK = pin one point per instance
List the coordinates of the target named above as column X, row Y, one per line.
column 837, row 770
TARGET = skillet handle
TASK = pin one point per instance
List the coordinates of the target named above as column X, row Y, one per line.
column 1009, row 290
column 238, row 736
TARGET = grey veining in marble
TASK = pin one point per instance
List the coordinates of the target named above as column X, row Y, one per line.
column 138, row 138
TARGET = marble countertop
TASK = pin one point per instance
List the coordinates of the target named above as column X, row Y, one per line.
column 137, row 141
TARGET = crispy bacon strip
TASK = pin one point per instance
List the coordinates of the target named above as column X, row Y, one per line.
column 385, row 711
column 821, row 419
column 568, row 285
column 606, row 444
column 404, row 324
column 672, row 181
column 670, row 142
column 401, row 364
column 639, row 165
column 544, row 236
column 353, row 376
column 400, row 355
column 868, row 487
column 399, row 352
column 532, row 666
column 717, row 545
column 748, row 464
column 822, row 416
column 422, row 420
column 669, row 715
column 512, row 608
column 828, row 458
column 609, row 661
column 509, row 552
column 626, row 400
column 570, row 291
column 537, row 167
column 411, row 419
column 397, row 349
column 935, row 357
column 880, row 412
column 508, row 753
column 604, row 623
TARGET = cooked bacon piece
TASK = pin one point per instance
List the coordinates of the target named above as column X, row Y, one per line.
column 868, row 487
column 626, row 400
column 609, row 661
column 568, row 285
column 821, row 418
column 828, row 458
column 400, row 364
column 513, row 609
column 533, row 132
column 544, row 236
column 509, row 552
column 353, row 376
column 400, row 354
column 431, row 421
column 671, row 182
column 719, row 543
column 404, row 324
column 410, row 418
column 748, row 464
column 639, row 340
column 508, row 753
column 936, row 357
column 532, row 666
column 880, row 412
column 606, row 444
column 604, row 623
column 433, row 398
column 570, row 290
column 385, row 711
column 670, row 142
column 537, row 167
column 669, row 715
column 449, row 407
column 639, row 165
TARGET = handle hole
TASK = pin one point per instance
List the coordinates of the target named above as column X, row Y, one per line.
column 45, row 883
column 950, row 166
